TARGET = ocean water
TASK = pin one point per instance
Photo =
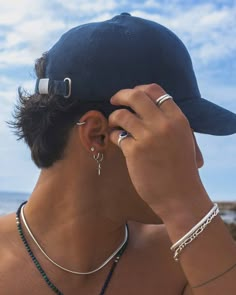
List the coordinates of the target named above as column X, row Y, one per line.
column 10, row 201
column 229, row 216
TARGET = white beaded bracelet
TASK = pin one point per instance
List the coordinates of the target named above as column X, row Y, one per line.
column 194, row 232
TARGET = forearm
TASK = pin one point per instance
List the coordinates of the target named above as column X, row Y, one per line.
column 162, row 160
column 208, row 256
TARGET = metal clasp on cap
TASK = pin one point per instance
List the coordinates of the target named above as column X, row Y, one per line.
column 69, row 87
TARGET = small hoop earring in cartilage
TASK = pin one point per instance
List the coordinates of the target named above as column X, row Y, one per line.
column 99, row 158
column 80, row 123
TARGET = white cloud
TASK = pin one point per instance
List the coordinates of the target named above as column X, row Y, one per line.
column 84, row 7
column 15, row 58
column 28, row 28
column 13, row 11
column 7, row 99
column 148, row 4
column 32, row 32
column 26, row 32
column 206, row 29
column 99, row 17
column 25, row 42
column 6, row 81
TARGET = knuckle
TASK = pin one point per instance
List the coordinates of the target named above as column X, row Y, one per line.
column 139, row 87
column 136, row 93
column 119, row 115
column 153, row 88
column 121, row 94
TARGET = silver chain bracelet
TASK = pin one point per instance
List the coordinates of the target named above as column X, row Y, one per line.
column 195, row 234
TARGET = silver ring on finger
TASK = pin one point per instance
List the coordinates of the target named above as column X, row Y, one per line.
column 163, row 98
column 122, row 136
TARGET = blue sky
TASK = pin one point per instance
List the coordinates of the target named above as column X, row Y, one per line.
column 208, row 28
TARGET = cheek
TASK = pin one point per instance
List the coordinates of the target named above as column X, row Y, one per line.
column 199, row 157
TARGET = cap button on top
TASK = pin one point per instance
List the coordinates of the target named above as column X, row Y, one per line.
column 125, row 13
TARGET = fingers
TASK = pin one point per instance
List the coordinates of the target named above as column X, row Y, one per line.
column 137, row 100
column 152, row 90
column 121, row 143
column 155, row 91
column 148, row 116
column 127, row 121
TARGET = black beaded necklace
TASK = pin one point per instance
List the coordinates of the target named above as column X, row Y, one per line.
column 41, row 270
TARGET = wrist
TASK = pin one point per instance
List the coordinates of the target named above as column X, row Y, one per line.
column 185, row 212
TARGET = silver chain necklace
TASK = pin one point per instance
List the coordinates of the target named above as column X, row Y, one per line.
column 63, row 268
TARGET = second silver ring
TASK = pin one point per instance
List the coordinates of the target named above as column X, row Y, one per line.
column 163, row 98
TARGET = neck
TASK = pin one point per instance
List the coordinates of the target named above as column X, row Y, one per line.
column 80, row 225
column 68, row 220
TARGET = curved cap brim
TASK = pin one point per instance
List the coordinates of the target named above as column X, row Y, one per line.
column 207, row 117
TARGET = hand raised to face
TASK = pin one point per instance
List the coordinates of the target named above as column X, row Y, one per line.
column 160, row 149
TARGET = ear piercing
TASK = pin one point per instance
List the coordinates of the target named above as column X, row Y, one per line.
column 98, row 158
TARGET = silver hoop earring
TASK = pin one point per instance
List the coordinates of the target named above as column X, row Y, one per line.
column 80, row 123
column 99, row 158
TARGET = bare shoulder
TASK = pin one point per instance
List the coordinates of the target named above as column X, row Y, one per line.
column 9, row 250
column 7, row 236
column 154, row 242
column 4, row 250
column 15, row 265
column 7, row 227
column 153, row 237
column 5, row 222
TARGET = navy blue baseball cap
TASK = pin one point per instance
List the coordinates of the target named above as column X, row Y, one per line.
column 91, row 62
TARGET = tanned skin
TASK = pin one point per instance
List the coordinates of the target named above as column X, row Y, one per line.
column 79, row 217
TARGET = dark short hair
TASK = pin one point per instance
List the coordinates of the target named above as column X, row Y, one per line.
column 45, row 122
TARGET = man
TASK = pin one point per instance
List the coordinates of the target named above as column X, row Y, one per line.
column 92, row 223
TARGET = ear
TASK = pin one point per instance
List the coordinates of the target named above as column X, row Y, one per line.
column 94, row 133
